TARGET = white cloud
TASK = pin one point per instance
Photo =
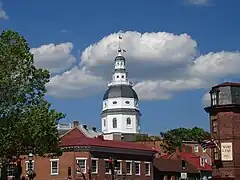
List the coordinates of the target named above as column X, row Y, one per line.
column 160, row 63
column 3, row 14
column 206, row 99
column 75, row 83
column 198, row 2
column 55, row 58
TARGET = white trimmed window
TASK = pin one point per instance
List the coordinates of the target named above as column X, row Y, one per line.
column 147, row 168
column 94, row 165
column 106, row 164
column 214, row 98
column 137, row 168
column 129, row 167
column 28, row 165
column 118, row 166
column 82, row 165
column 114, row 122
column 54, row 166
column 195, row 148
column 129, row 122
column 202, row 161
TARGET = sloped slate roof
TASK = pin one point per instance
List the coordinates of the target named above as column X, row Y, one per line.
column 76, row 138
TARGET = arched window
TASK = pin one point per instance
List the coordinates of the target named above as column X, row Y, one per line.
column 114, row 123
column 129, row 121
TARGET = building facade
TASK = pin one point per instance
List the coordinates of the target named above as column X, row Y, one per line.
column 224, row 115
column 120, row 108
column 91, row 155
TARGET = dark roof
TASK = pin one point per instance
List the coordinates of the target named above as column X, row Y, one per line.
column 227, row 84
column 169, row 165
column 119, row 58
column 120, row 91
column 75, row 138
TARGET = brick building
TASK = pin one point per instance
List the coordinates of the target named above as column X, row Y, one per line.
column 134, row 161
column 168, row 169
column 224, row 115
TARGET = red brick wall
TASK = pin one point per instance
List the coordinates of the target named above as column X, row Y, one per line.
column 42, row 166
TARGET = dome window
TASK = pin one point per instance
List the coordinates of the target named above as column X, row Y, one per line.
column 114, row 102
column 129, row 121
column 117, row 76
column 114, row 123
column 127, row 102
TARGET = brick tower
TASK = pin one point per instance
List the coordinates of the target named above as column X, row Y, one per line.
column 224, row 114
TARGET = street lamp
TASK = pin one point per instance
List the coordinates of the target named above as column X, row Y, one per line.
column 31, row 174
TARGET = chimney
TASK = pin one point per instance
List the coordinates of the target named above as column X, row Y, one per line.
column 100, row 137
column 75, row 124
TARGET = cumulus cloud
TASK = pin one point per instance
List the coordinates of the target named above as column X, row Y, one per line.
column 3, row 14
column 206, row 99
column 55, row 58
column 198, row 2
column 75, row 83
column 159, row 63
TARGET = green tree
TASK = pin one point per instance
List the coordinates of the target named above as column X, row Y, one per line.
column 27, row 123
column 174, row 138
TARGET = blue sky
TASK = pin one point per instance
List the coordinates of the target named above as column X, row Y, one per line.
column 176, row 50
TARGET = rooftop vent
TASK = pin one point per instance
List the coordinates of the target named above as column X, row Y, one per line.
column 94, row 129
column 85, row 126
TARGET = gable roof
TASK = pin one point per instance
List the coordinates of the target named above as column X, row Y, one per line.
column 90, row 132
column 75, row 138
column 191, row 158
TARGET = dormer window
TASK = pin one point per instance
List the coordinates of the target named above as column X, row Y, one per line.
column 214, row 98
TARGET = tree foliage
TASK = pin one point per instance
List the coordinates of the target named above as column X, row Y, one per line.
column 27, row 123
column 174, row 138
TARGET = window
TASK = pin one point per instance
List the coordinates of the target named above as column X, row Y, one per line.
column 94, row 165
column 214, row 98
column 114, row 123
column 28, row 165
column 196, row 148
column 204, row 150
column 82, row 163
column 216, row 156
column 214, row 125
column 117, row 76
column 129, row 167
column 129, row 121
column 106, row 164
column 127, row 102
column 54, row 166
column 104, row 122
column 10, row 170
column 118, row 167
column 114, row 102
column 122, row 76
column 147, row 168
column 202, row 161
column 137, row 168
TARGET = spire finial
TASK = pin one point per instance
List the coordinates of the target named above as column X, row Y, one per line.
column 119, row 44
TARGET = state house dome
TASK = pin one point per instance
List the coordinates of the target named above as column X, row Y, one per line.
column 118, row 91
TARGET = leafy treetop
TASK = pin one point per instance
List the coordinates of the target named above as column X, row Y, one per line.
column 174, row 138
column 27, row 124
